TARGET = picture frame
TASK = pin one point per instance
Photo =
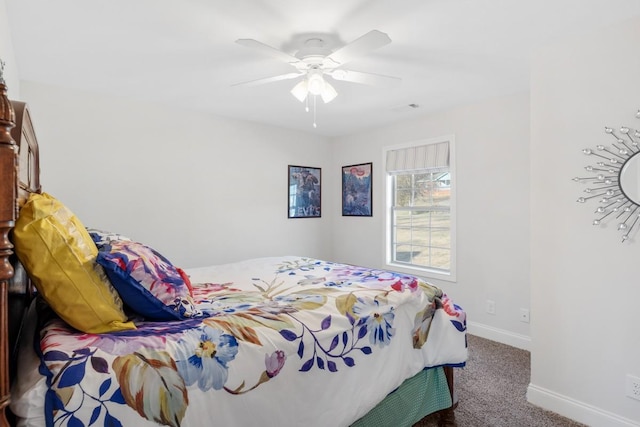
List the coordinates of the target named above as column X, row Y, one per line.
column 304, row 192
column 357, row 190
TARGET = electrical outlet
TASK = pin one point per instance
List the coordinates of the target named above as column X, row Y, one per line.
column 491, row 307
column 524, row 315
column 633, row 387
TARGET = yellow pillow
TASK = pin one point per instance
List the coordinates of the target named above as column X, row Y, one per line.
column 60, row 257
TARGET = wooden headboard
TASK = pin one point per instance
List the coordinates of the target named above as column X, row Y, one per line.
column 19, row 176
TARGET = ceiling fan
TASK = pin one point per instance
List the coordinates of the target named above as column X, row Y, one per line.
column 314, row 61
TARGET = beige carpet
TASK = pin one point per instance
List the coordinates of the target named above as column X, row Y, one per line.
column 492, row 390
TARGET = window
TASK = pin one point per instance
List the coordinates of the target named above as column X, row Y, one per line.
column 421, row 208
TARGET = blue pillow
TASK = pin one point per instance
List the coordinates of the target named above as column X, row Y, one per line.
column 146, row 281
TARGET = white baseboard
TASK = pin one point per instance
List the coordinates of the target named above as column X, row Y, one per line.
column 576, row 410
column 522, row 342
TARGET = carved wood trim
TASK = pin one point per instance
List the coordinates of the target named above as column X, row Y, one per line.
column 8, row 190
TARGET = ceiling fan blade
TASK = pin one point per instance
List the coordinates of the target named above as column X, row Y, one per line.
column 268, row 50
column 269, row 79
column 359, row 47
column 364, row 78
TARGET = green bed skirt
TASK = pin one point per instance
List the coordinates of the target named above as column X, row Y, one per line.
column 417, row 397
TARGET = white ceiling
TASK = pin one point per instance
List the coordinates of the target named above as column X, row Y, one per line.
column 183, row 53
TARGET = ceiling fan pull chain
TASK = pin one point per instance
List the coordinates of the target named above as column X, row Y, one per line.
column 306, row 107
column 314, row 111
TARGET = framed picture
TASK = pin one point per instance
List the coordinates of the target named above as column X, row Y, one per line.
column 304, row 192
column 356, row 190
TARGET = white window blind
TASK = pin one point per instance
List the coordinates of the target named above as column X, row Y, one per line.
column 431, row 157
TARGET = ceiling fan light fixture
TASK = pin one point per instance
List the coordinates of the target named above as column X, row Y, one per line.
column 315, row 83
column 328, row 93
column 300, row 91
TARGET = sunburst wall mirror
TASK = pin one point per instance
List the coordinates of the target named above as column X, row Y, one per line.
column 614, row 181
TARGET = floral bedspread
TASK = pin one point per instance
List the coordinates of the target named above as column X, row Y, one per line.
column 284, row 341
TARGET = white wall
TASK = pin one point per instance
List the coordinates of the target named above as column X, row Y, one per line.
column 228, row 179
column 200, row 189
column 7, row 55
column 492, row 166
column 585, row 286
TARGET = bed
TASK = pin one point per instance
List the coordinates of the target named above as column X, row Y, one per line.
column 131, row 339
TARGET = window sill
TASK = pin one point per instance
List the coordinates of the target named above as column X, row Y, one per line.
column 421, row 272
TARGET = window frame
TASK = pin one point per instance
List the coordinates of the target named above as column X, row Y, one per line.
column 426, row 272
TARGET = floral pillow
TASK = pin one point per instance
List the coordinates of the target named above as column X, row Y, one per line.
column 101, row 237
column 146, row 281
